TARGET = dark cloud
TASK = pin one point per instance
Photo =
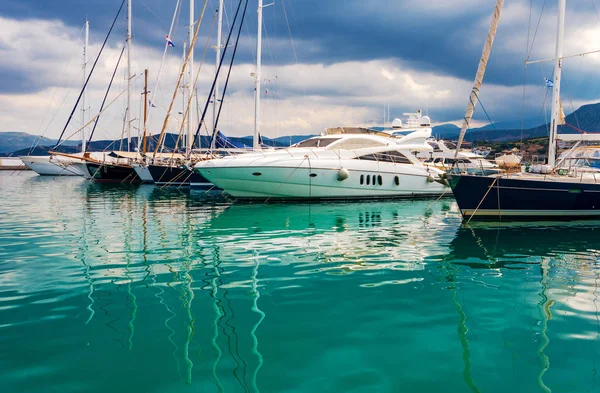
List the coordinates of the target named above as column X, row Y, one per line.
column 441, row 41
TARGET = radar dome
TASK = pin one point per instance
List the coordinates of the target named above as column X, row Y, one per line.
column 425, row 121
column 397, row 123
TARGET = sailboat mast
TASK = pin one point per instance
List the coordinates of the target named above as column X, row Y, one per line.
column 128, row 110
column 190, row 138
column 85, row 61
column 556, row 115
column 145, row 111
column 485, row 55
column 218, row 61
column 255, row 145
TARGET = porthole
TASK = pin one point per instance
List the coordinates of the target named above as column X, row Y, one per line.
column 380, row 180
column 313, row 175
column 374, row 180
column 256, row 174
column 368, row 180
column 397, row 180
column 362, row 179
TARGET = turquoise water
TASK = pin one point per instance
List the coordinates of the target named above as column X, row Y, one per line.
column 138, row 289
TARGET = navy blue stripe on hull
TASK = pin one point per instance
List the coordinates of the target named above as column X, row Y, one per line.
column 507, row 197
column 112, row 173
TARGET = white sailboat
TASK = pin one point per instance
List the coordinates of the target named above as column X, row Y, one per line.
column 53, row 165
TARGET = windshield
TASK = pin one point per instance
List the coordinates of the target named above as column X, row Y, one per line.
column 316, row 142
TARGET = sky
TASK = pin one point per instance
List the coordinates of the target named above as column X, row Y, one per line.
column 325, row 63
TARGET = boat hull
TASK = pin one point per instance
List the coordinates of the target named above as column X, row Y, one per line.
column 525, row 198
column 48, row 166
column 143, row 173
column 301, row 183
column 177, row 176
column 111, row 173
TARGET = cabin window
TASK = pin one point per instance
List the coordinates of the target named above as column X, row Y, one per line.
column 388, row 156
column 380, row 180
column 362, row 179
column 368, row 180
column 397, row 180
column 316, row 142
column 436, row 147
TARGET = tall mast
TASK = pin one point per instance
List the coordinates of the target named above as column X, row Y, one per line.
column 184, row 97
column 85, row 61
column 145, row 111
column 255, row 145
column 556, row 114
column 485, row 55
column 190, row 138
column 218, row 60
column 128, row 111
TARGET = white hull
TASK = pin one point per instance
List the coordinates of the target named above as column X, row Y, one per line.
column 51, row 166
column 81, row 167
column 297, row 183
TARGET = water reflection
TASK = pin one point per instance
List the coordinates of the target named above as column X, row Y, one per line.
column 171, row 290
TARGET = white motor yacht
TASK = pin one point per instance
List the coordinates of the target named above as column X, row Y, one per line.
column 342, row 163
column 443, row 156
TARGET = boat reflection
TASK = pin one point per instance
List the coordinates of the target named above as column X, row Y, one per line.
column 352, row 236
column 554, row 270
column 490, row 241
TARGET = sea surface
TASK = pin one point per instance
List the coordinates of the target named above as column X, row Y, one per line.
column 141, row 289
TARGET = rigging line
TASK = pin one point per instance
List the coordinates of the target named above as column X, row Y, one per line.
column 187, row 109
column 52, row 119
column 525, row 70
column 90, row 74
column 164, row 53
column 536, row 31
column 237, row 40
column 94, row 118
column 290, row 31
column 595, row 10
column 35, row 143
column 181, row 74
column 216, row 75
column 104, row 100
column 151, row 11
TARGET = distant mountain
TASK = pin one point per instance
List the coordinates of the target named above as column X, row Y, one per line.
column 291, row 139
column 586, row 118
column 530, row 122
column 446, row 131
column 14, row 144
column 12, row 141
